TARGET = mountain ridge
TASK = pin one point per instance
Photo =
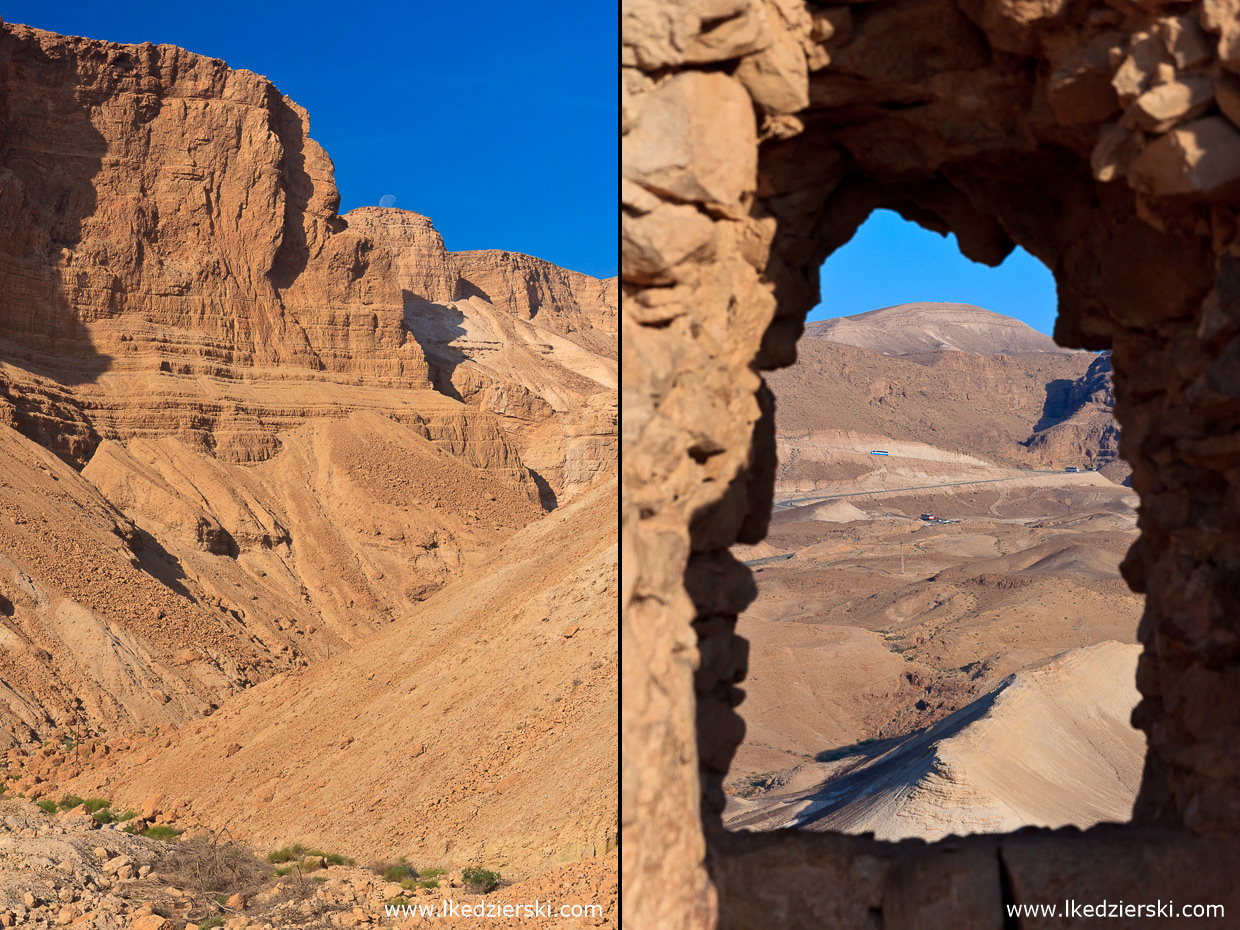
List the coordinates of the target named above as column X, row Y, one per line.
column 905, row 329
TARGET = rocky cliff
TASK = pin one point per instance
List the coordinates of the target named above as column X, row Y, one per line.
column 170, row 224
column 1081, row 425
column 241, row 434
column 1040, row 409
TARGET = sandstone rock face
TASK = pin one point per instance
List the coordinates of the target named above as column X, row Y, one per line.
column 1082, row 428
column 1005, row 123
column 241, row 434
column 421, row 263
column 574, row 305
column 164, row 155
column 514, row 336
column 283, row 301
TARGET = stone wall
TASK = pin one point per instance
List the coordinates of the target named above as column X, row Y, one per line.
column 1103, row 138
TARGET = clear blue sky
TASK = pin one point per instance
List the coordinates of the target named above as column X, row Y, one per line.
column 496, row 119
column 892, row 261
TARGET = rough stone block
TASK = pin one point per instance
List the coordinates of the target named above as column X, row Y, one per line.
column 695, row 140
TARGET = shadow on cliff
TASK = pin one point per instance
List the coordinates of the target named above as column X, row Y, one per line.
column 1057, row 403
column 435, row 328
column 50, row 282
column 44, row 202
column 466, row 289
column 159, row 563
column 294, row 252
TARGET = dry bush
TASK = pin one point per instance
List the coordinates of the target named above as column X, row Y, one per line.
column 215, row 864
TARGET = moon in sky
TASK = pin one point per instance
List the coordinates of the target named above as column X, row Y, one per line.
column 387, row 200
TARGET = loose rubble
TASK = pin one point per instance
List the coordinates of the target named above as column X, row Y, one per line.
column 58, row 870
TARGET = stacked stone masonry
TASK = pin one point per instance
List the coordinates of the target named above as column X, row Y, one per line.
column 1103, row 137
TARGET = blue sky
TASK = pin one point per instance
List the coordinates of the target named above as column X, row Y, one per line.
column 496, row 119
column 892, row 261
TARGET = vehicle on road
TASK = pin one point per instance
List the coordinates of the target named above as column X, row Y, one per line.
column 879, row 452
column 1073, row 468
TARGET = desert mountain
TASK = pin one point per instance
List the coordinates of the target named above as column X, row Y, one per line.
column 935, row 327
column 1030, row 409
column 928, row 557
column 243, row 435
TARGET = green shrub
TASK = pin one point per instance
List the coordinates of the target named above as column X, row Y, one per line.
column 409, row 884
column 286, row 854
column 162, row 832
column 432, row 873
column 47, row 805
column 398, row 873
column 429, row 883
column 480, row 880
column 298, row 851
column 331, row 858
column 399, row 901
column 215, row 920
column 94, row 805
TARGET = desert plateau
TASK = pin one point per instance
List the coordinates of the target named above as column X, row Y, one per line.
column 308, row 559
column 942, row 642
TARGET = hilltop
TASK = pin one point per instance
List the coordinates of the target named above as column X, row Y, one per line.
column 906, row 329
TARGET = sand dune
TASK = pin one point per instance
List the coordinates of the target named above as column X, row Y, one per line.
column 1050, row 746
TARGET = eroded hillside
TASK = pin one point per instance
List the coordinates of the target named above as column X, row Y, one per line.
column 245, row 438
column 928, row 548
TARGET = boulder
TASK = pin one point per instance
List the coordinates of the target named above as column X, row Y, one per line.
column 1199, row 159
column 695, row 140
column 152, row 807
column 777, row 77
column 1186, row 42
column 1162, row 107
column 112, row 866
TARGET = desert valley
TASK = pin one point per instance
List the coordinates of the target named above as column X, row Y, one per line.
column 942, row 642
column 307, row 526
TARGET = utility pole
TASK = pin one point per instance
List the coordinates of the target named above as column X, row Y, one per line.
column 901, row 557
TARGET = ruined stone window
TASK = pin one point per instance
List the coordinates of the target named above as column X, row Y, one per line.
column 1104, row 138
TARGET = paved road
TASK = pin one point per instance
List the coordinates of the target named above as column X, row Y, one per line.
column 770, row 558
column 923, row 487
